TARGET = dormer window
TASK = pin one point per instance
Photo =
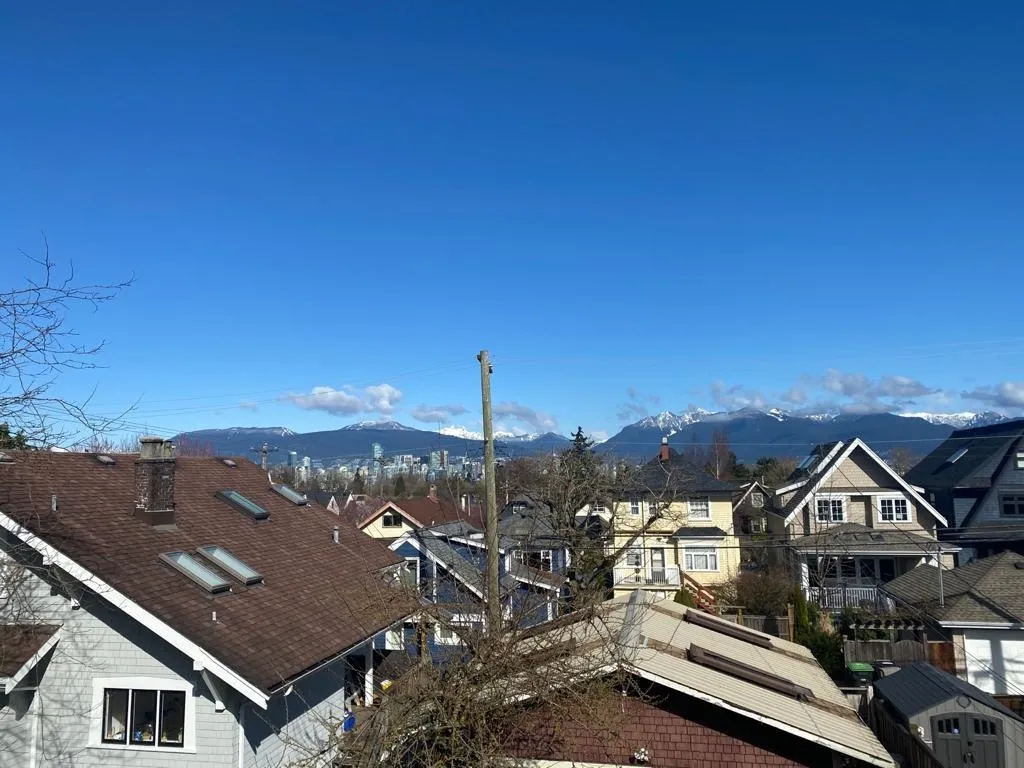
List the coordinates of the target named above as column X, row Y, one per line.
column 391, row 519
column 757, row 499
column 1019, row 460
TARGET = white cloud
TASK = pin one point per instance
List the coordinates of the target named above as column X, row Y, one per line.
column 1006, row 394
column 734, row 397
column 539, row 420
column 379, row 398
column 434, row 414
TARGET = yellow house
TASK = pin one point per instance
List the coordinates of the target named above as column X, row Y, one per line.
column 674, row 530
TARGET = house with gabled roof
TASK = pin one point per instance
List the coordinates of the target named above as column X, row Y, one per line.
column 392, row 518
column 686, row 688
column 179, row 611
column 976, row 480
column 980, row 608
column 675, row 529
column 752, row 504
column 850, row 523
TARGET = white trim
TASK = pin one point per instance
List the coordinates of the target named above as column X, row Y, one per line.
column 849, row 449
column 717, row 555
column 980, row 625
column 416, row 545
column 29, row 665
column 765, row 719
column 689, row 508
column 380, row 510
column 137, row 612
column 894, row 498
column 791, row 487
column 218, row 697
column 829, row 497
column 100, row 684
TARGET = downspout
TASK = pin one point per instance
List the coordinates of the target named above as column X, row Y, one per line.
column 241, row 733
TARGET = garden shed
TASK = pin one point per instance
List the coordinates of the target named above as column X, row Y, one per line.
column 961, row 723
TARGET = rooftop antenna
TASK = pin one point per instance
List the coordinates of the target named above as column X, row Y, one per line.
column 263, row 451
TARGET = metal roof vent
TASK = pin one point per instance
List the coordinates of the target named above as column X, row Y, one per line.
column 1019, row 565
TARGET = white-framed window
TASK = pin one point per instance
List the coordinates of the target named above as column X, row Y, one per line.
column 394, row 639
column 412, row 567
column 895, row 510
column 634, row 508
column 635, row 557
column 449, row 632
column 1019, row 460
column 599, row 509
column 700, row 507
column 391, row 519
column 831, row 510
column 143, row 713
column 538, row 559
column 701, row 558
column 758, row 525
column 757, row 499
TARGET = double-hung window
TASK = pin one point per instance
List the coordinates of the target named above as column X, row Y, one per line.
column 634, row 508
column 893, row 510
column 1012, row 504
column 701, row 558
column 700, row 507
column 538, row 559
column 144, row 713
column 635, row 557
column 830, row 510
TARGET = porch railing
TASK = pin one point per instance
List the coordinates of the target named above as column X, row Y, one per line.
column 836, row 598
column 646, row 576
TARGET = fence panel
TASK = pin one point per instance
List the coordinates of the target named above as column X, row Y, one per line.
column 770, row 625
column 897, row 739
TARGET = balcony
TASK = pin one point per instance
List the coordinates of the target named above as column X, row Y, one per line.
column 628, row 576
column 836, row 598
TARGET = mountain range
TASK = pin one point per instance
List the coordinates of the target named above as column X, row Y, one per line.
column 751, row 433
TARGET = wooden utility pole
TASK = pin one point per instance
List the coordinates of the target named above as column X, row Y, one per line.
column 491, row 520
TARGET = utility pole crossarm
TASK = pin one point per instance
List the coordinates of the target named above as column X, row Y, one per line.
column 491, row 520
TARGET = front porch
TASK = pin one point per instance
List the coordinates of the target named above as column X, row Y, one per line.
column 659, row 577
column 838, row 583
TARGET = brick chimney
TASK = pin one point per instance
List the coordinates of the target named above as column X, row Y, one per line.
column 154, row 481
column 663, row 453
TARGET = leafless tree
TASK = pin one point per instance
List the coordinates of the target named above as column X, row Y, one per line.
column 38, row 344
column 902, row 460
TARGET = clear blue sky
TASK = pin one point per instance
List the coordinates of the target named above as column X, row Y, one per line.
column 645, row 205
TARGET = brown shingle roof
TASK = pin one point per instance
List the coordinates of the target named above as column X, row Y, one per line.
column 427, row 511
column 19, row 643
column 318, row 598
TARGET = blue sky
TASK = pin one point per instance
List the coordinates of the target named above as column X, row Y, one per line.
column 329, row 208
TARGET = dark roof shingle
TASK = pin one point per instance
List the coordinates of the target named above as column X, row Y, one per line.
column 935, row 471
column 921, row 686
column 318, row 598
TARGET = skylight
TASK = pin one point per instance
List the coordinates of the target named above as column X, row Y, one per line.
column 220, row 556
column 229, row 462
column 290, row 493
column 749, row 673
column 251, row 508
column 957, row 456
column 6, row 458
column 808, row 461
column 726, row 628
column 104, row 458
column 199, row 573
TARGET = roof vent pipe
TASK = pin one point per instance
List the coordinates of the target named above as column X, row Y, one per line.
column 334, row 535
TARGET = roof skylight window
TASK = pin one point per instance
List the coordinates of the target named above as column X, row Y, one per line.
column 6, row 458
column 220, row 556
column 749, row 673
column 199, row 573
column 726, row 628
column 105, row 459
column 251, row 508
column 229, row 462
column 290, row 493
column 806, row 463
column 957, row 456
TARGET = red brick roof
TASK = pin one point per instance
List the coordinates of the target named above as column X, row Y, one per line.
column 427, row 512
column 318, row 598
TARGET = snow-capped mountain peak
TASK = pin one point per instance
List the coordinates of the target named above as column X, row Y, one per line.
column 455, row 430
column 961, row 420
column 385, row 424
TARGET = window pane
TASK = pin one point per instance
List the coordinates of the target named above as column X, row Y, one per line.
column 115, row 715
column 143, row 730
column 634, row 507
column 867, row 570
column 172, row 718
column 700, row 507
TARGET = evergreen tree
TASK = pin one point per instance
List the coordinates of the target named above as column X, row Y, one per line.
column 399, row 489
column 358, row 483
column 16, row 442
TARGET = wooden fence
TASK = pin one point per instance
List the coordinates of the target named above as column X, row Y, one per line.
column 779, row 626
column 938, row 653
column 898, row 740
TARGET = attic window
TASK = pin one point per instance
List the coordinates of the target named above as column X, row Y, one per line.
column 229, row 463
column 1019, row 460
column 727, row 628
column 105, row 459
column 251, row 508
column 749, row 673
column 199, row 573
column 957, row 456
column 290, row 493
column 220, row 556
column 757, row 499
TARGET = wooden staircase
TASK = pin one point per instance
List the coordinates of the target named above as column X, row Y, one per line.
column 704, row 599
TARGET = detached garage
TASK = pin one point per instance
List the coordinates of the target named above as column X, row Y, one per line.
column 962, row 724
column 995, row 659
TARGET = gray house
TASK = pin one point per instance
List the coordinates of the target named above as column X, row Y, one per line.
column 962, row 724
column 163, row 611
column 976, row 480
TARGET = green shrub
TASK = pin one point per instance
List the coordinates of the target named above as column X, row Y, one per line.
column 827, row 648
column 683, row 597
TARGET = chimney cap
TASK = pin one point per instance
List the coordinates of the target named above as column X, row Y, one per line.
column 664, row 441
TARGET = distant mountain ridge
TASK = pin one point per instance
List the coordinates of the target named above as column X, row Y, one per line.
column 355, row 440
column 753, row 433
